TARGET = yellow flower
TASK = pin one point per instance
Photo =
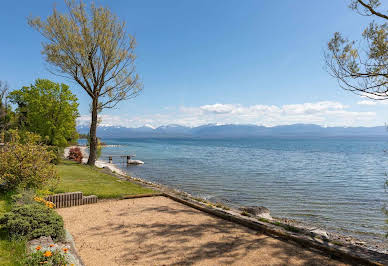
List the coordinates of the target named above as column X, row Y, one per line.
column 38, row 199
column 38, row 248
column 65, row 250
column 47, row 253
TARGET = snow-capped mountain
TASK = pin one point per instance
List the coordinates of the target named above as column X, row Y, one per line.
column 234, row 131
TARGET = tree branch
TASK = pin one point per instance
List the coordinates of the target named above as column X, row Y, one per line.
column 372, row 10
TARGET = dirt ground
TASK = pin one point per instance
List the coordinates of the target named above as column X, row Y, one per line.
column 160, row 231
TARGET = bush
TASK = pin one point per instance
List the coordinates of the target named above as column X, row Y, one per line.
column 26, row 164
column 24, row 197
column 56, row 151
column 75, row 154
column 33, row 221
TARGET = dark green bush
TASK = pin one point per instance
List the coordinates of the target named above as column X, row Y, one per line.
column 33, row 221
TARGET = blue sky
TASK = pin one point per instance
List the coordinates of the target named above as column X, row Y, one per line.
column 219, row 61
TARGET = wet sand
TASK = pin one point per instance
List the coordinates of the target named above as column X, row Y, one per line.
column 160, row 231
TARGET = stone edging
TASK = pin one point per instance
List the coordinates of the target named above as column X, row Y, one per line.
column 142, row 195
column 70, row 240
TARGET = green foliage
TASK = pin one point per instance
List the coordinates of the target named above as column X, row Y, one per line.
column 50, row 258
column 26, row 164
column 48, row 109
column 362, row 66
column 33, row 221
column 11, row 250
column 23, row 197
column 83, row 136
column 57, row 153
column 244, row 213
column 91, row 47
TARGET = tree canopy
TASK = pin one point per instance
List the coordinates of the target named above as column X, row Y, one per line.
column 48, row 109
column 92, row 48
column 362, row 66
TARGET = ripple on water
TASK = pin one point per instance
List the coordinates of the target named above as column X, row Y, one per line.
column 337, row 183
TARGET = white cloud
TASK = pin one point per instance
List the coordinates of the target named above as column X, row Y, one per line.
column 218, row 108
column 373, row 97
column 373, row 102
column 367, row 102
column 325, row 113
column 312, row 108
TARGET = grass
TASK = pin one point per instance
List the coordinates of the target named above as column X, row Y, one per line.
column 10, row 250
column 91, row 181
column 287, row 227
column 244, row 213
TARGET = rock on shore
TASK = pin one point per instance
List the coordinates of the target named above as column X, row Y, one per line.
column 259, row 211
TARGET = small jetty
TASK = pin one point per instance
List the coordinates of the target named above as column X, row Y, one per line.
column 127, row 158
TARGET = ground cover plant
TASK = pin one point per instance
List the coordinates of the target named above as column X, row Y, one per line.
column 46, row 257
column 33, row 221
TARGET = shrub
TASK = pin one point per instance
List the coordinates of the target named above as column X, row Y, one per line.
column 26, row 164
column 33, row 221
column 75, row 154
column 47, row 257
column 56, row 154
column 24, row 197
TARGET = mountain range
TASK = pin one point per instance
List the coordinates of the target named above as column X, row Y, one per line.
column 212, row 131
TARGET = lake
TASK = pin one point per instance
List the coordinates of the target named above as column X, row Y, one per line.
column 337, row 183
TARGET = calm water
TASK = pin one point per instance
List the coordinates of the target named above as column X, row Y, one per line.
column 337, row 183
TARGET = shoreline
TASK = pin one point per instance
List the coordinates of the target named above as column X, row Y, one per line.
column 343, row 239
column 99, row 164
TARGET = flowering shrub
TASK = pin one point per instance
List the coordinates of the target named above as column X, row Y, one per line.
column 48, row 204
column 46, row 257
column 26, row 164
column 33, row 221
column 75, row 154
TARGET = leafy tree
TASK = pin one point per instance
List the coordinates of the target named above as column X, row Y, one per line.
column 48, row 109
column 92, row 48
column 362, row 66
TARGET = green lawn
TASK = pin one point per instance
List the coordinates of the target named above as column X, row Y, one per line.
column 91, row 181
column 10, row 251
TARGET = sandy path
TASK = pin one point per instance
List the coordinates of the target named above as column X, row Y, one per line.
column 160, row 231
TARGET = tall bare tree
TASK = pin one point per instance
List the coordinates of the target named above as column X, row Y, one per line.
column 91, row 46
column 362, row 66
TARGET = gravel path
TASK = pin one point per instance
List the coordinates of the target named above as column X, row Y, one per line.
column 160, row 231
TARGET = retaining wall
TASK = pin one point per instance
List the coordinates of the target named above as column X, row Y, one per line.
column 70, row 199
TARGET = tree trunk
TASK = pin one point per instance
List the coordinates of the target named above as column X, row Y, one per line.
column 92, row 134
